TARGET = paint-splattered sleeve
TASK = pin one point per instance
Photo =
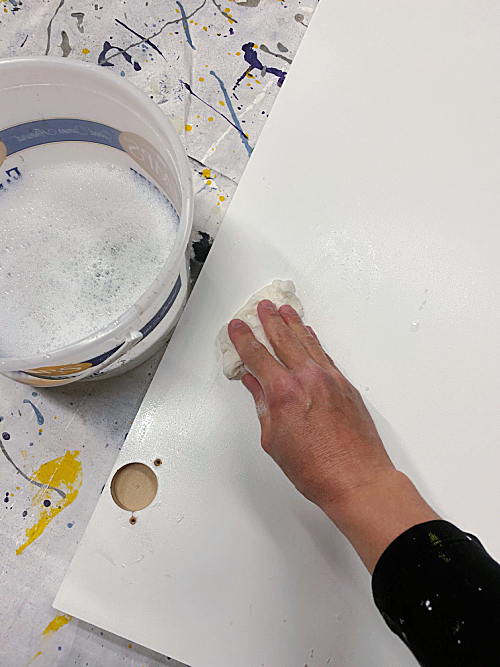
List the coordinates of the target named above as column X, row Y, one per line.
column 439, row 590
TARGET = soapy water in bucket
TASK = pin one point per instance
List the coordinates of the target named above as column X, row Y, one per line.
column 80, row 242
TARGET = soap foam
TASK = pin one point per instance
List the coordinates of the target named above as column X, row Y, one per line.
column 79, row 244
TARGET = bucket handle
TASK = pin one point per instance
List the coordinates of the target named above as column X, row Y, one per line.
column 131, row 339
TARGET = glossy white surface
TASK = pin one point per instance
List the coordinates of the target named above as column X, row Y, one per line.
column 388, row 224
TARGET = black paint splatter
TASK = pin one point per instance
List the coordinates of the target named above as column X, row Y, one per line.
column 5, row 435
column 103, row 61
column 146, row 40
column 47, row 503
column 202, row 247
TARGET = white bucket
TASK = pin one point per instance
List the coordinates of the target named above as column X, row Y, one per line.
column 54, row 104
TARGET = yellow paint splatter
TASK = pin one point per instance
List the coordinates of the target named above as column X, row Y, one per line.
column 56, row 624
column 209, row 182
column 222, row 103
column 130, row 645
column 221, row 198
column 205, row 28
column 206, row 173
column 34, row 657
column 201, row 78
column 189, row 128
column 210, row 118
column 85, row 51
column 238, row 53
column 63, row 473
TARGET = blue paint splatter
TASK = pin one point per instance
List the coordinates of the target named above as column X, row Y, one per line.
column 214, row 109
column 5, row 435
column 31, row 444
column 70, row 525
column 39, row 416
column 153, row 46
column 229, row 104
column 122, row 73
column 231, row 31
column 252, row 59
column 34, row 393
column 185, row 25
column 1, row 419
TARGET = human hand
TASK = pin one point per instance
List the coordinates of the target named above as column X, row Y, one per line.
column 318, row 430
column 314, row 422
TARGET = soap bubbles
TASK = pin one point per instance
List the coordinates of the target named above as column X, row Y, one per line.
column 80, row 242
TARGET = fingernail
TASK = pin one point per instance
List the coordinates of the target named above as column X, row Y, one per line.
column 236, row 324
column 287, row 309
column 268, row 305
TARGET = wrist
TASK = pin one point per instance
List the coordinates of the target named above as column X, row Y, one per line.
column 372, row 515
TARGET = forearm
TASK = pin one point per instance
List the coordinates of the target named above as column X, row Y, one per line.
column 372, row 516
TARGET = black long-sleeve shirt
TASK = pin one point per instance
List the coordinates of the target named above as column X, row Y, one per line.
column 439, row 591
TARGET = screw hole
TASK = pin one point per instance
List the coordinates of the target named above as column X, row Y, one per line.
column 133, row 520
column 157, row 462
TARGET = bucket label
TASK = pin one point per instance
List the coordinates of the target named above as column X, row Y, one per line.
column 152, row 162
column 54, row 130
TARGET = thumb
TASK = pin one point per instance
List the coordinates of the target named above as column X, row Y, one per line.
column 254, row 387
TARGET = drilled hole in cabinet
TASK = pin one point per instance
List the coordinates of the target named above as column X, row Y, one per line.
column 134, row 487
column 157, row 462
column 133, row 520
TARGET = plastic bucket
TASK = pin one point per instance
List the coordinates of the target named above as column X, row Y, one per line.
column 53, row 108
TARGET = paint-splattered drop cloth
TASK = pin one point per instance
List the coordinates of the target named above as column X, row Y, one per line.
column 439, row 591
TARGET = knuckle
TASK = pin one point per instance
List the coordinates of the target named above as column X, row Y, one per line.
column 316, row 373
column 284, row 388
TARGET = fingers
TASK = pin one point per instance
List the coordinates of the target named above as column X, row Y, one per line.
column 254, row 355
column 306, row 337
column 283, row 339
column 313, row 333
column 253, row 386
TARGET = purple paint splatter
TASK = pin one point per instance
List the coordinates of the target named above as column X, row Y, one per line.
column 252, row 59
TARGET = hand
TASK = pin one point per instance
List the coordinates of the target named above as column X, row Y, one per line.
column 316, row 427
column 314, row 422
